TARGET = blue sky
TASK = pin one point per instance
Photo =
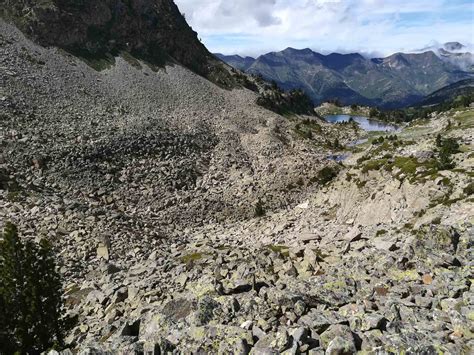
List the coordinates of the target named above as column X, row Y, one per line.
column 375, row 27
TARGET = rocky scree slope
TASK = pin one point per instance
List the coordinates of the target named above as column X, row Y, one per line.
column 168, row 142
column 113, row 165
column 377, row 261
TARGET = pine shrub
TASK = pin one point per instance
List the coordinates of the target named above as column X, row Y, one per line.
column 259, row 209
column 30, row 296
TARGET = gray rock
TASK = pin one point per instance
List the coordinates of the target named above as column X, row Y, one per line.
column 337, row 339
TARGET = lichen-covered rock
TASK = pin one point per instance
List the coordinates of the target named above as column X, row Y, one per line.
column 338, row 339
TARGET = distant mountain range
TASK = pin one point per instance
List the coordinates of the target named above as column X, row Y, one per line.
column 455, row 53
column 396, row 81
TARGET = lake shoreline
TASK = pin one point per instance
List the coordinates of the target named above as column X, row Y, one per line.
column 365, row 123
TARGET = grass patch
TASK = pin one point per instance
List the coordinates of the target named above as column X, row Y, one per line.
column 363, row 159
column 466, row 119
column 99, row 63
column 374, row 165
column 14, row 196
column 407, row 165
column 465, row 149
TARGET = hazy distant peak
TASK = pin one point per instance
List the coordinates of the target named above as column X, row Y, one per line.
column 454, row 46
column 454, row 53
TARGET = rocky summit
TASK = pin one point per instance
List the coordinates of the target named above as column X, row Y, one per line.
column 187, row 219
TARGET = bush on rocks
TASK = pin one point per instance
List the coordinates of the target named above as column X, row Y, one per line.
column 326, row 175
column 259, row 209
column 469, row 189
column 447, row 148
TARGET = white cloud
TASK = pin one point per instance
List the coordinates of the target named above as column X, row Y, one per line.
column 257, row 26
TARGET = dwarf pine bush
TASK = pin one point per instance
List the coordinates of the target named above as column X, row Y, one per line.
column 30, row 296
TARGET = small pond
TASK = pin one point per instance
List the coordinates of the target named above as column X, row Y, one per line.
column 365, row 123
column 338, row 157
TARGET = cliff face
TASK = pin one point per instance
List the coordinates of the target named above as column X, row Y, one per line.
column 153, row 30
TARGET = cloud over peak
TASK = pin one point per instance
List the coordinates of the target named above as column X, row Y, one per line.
column 253, row 27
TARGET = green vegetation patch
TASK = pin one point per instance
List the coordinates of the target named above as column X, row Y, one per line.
column 99, row 63
column 30, row 296
column 281, row 102
column 447, row 147
column 326, row 175
column 466, row 119
column 374, row 165
column 14, row 196
column 192, row 258
column 409, row 167
column 307, row 128
column 259, row 209
column 469, row 189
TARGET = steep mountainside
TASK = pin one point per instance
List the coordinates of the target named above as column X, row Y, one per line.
column 395, row 81
column 152, row 30
column 450, row 92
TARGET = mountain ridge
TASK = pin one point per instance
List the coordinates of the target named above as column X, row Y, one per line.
column 398, row 80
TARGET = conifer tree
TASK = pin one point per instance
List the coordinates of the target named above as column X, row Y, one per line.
column 30, row 296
